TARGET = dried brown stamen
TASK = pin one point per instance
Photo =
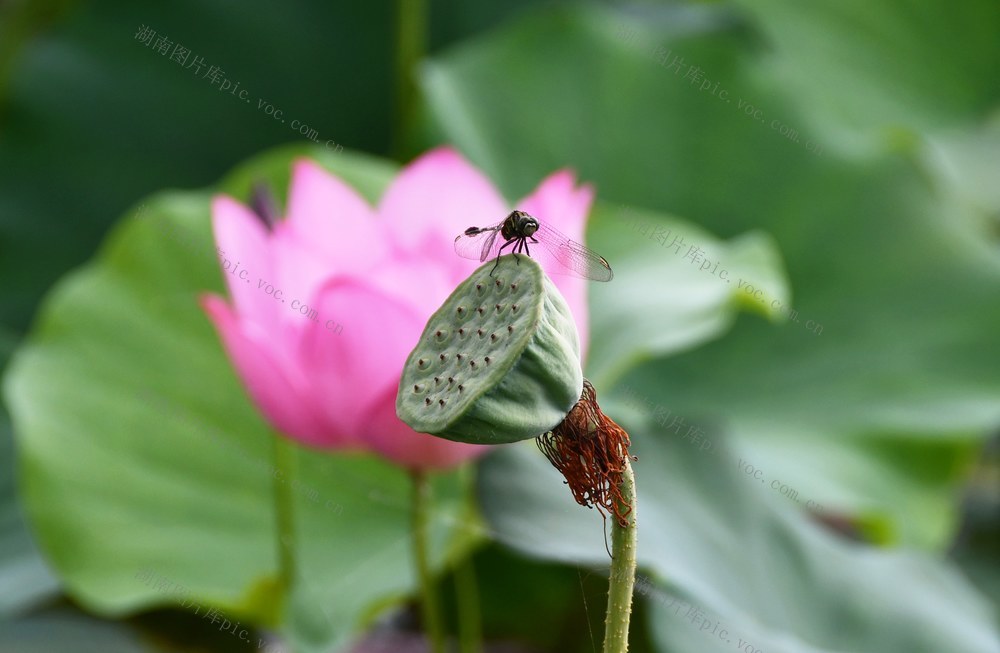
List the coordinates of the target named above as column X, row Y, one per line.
column 590, row 451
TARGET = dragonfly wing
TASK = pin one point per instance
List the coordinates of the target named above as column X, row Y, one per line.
column 573, row 256
column 476, row 246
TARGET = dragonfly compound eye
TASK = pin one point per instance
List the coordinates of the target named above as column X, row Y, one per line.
column 517, row 383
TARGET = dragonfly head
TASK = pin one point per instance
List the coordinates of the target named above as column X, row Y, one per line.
column 524, row 224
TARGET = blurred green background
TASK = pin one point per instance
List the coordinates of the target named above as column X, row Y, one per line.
column 839, row 155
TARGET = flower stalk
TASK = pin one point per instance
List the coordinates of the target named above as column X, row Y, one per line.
column 411, row 47
column 430, row 607
column 622, row 581
column 470, row 631
column 284, row 465
column 591, row 452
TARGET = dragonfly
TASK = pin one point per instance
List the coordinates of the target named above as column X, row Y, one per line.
column 519, row 231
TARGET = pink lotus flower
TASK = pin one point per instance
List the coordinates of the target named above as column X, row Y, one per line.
column 328, row 303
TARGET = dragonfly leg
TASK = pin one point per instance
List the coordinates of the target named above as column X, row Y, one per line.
column 500, row 251
column 517, row 248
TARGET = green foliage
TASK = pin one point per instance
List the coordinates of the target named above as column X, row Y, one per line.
column 24, row 577
column 181, row 435
column 877, row 390
column 717, row 546
column 196, row 458
column 837, row 159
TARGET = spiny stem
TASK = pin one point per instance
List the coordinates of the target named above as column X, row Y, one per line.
column 430, row 608
column 623, row 548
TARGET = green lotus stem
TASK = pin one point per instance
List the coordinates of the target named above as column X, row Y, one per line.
column 284, row 470
column 623, row 546
column 430, row 608
column 467, row 594
column 411, row 46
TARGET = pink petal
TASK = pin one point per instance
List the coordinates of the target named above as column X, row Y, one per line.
column 416, row 280
column 352, row 368
column 557, row 203
column 333, row 218
column 280, row 393
column 300, row 270
column 243, row 241
column 389, row 436
column 436, row 198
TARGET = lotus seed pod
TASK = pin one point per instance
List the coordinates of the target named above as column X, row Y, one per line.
column 498, row 362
